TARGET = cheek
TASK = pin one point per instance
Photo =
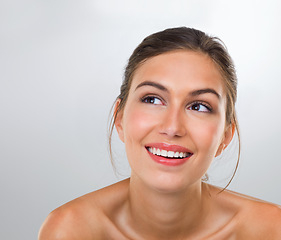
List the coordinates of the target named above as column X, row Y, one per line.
column 208, row 135
column 138, row 125
column 138, row 122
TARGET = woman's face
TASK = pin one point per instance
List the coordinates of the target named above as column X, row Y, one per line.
column 173, row 123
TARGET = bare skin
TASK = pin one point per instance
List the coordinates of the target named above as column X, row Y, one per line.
column 177, row 100
column 105, row 215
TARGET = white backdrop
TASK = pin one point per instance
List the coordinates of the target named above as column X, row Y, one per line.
column 61, row 66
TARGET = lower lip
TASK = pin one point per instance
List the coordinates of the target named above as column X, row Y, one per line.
column 168, row 161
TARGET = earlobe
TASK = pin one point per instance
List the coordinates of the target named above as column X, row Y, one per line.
column 118, row 115
column 228, row 135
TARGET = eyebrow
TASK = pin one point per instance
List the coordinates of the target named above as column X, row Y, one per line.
column 205, row 90
column 153, row 84
column 193, row 93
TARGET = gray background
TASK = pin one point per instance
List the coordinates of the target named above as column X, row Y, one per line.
column 61, row 65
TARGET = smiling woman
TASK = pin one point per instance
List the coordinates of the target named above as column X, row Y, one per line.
column 175, row 114
column 186, row 111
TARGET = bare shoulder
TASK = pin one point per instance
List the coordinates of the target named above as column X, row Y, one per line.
column 71, row 221
column 254, row 218
column 260, row 220
column 87, row 217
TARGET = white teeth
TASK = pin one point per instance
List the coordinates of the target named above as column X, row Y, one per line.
column 158, row 152
column 170, row 154
column 164, row 153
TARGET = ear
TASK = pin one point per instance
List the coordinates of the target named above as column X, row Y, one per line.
column 118, row 120
column 228, row 135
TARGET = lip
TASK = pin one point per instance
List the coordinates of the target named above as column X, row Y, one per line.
column 168, row 147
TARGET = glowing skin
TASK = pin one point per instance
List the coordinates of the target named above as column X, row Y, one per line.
column 173, row 125
column 175, row 98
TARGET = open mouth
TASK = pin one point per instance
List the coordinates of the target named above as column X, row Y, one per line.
column 168, row 154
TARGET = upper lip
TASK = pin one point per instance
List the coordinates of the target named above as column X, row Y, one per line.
column 168, row 147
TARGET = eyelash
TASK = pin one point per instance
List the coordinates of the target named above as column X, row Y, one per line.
column 151, row 97
column 209, row 108
column 145, row 98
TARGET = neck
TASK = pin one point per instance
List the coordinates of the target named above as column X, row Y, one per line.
column 162, row 214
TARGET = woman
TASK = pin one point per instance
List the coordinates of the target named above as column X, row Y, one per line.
column 175, row 114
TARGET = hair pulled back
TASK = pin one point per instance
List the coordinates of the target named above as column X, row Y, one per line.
column 182, row 38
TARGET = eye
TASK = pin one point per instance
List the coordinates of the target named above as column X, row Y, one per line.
column 200, row 107
column 152, row 100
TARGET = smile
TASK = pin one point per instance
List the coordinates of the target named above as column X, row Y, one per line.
column 168, row 154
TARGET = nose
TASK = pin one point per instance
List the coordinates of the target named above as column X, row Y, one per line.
column 173, row 123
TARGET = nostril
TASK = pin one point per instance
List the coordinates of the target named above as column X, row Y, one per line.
column 173, row 130
column 173, row 122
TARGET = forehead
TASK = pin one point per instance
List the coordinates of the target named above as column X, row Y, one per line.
column 180, row 69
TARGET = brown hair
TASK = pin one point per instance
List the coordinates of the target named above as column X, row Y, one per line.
column 182, row 38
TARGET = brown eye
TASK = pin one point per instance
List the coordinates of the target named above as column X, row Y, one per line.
column 200, row 107
column 152, row 100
